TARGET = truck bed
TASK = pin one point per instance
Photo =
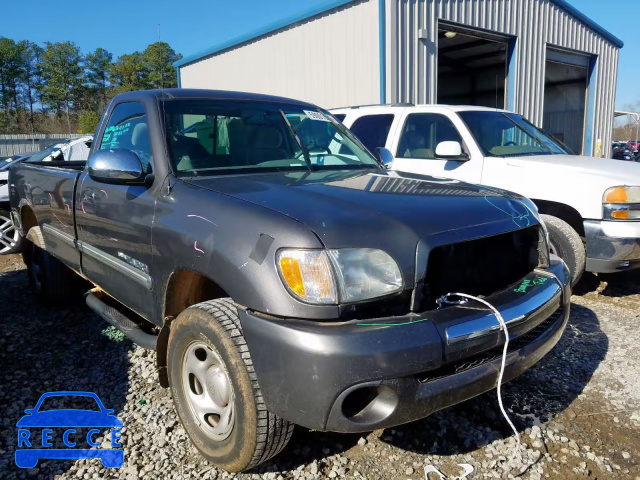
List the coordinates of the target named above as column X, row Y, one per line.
column 50, row 188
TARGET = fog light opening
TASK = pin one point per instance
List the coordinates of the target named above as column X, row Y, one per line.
column 370, row 404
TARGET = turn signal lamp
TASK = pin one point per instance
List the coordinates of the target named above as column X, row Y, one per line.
column 616, row 195
column 307, row 274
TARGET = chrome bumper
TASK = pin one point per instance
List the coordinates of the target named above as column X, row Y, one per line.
column 612, row 246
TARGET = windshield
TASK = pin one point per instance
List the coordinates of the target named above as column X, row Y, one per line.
column 40, row 156
column 213, row 137
column 502, row 134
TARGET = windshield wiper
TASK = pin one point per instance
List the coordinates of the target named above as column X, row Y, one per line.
column 293, row 131
column 531, row 134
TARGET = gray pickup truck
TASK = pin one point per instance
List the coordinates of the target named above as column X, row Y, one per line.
column 282, row 273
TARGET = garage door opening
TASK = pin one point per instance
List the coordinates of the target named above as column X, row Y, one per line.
column 565, row 96
column 471, row 70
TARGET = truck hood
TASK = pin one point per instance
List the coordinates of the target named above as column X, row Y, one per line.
column 369, row 208
column 605, row 171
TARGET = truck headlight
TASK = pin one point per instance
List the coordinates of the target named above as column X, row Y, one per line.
column 621, row 203
column 343, row 275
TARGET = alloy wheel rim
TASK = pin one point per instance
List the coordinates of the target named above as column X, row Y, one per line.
column 9, row 235
column 208, row 390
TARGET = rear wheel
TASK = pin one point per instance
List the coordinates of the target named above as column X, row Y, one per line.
column 565, row 242
column 10, row 238
column 216, row 392
column 50, row 280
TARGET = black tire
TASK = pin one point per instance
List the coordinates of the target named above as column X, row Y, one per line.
column 567, row 244
column 51, row 281
column 10, row 238
column 256, row 434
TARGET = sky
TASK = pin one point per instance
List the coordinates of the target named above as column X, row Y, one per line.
column 124, row 26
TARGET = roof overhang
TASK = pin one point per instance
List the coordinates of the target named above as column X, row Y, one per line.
column 335, row 4
column 588, row 22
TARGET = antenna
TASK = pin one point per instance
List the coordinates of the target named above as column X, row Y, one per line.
column 161, row 65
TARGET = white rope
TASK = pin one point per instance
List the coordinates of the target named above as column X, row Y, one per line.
column 503, row 326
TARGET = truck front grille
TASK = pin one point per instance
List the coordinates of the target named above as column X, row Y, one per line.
column 481, row 267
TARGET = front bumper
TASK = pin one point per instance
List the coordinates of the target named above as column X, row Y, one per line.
column 612, row 246
column 361, row 375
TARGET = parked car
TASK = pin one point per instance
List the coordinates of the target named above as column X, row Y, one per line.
column 9, row 236
column 590, row 206
column 65, row 151
column 282, row 273
column 622, row 151
column 634, row 144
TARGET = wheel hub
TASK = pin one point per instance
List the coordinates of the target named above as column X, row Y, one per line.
column 208, row 390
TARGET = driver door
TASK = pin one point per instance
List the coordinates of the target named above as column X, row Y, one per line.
column 114, row 221
column 415, row 148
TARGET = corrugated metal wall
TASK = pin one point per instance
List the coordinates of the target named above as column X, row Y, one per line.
column 412, row 62
column 331, row 60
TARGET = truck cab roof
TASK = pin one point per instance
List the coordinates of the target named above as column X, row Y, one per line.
column 196, row 93
column 422, row 107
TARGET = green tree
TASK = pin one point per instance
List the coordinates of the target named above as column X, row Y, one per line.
column 127, row 73
column 97, row 73
column 30, row 79
column 61, row 65
column 10, row 72
column 88, row 121
column 157, row 62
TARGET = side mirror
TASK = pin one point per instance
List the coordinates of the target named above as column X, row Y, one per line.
column 451, row 150
column 117, row 166
column 385, row 156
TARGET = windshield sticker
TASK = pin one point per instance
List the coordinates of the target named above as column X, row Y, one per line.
column 111, row 135
column 315, row 116
column 527, row 284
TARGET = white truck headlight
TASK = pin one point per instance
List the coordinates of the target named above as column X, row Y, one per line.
column 621, row 203
column 338, row 276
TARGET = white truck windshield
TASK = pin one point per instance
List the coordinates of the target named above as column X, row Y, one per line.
column 501, row 134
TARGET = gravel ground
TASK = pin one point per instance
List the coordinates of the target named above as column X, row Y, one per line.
column 578, row 410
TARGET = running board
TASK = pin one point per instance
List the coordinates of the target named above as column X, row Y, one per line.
column 130, row 328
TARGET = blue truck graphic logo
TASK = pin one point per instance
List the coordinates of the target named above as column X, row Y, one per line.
column 32, row 448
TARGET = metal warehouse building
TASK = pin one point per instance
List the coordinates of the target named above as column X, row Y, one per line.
column 541, row 58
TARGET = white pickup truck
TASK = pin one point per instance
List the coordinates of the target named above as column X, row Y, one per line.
column 591, row 206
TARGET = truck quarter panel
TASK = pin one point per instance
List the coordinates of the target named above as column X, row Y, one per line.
column 51, row 197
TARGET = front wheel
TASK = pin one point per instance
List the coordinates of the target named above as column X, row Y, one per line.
column 215, row 389
column 10, row 238
column 565, row 242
